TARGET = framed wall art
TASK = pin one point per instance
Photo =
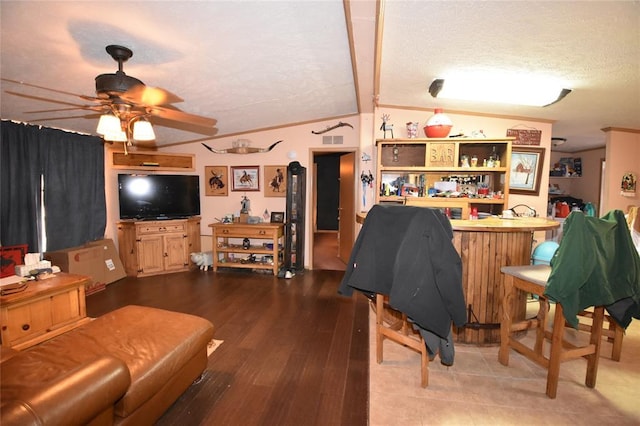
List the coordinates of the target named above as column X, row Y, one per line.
column 216, row 180
column 526, row 169
column 245, row 178
column 275, row 181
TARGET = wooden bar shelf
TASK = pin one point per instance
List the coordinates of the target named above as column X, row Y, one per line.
column 420, row 165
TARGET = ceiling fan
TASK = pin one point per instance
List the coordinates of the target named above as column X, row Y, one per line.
column 124, row 104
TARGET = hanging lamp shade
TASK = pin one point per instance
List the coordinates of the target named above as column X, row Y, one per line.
column 108, row 124
column 143, row 131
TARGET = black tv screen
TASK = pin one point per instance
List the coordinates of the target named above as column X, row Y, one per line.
column 158, row 196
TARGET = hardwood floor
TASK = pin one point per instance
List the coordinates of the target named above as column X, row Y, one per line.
column 325, row 251
column 295, row 352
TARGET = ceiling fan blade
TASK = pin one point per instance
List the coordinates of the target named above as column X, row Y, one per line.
column 152, row 96
column 84, row 107
column 38, row 98
column 23, row 83
column 158, row 121
column 68, row 117
column 175, row 114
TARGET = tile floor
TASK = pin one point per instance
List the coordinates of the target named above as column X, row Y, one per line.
column 478, row 390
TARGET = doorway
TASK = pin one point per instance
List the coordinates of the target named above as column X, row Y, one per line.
column 333, row 208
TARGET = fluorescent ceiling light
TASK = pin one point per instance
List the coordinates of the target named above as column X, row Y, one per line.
column 498, row 89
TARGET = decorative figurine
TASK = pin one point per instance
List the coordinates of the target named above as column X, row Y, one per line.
column 245, row 205
column 367, row 180
column 412, row 129
column 386, row 126
column 340, row 124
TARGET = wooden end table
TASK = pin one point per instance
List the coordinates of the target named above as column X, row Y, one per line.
column 43, row 310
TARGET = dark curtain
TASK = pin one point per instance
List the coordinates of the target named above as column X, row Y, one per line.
column 20, row 185
column 74, row 202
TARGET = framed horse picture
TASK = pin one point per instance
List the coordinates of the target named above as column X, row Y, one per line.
column 245, row 178
column 275, row 178
column 216, row 180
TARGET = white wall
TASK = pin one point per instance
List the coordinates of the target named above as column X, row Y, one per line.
column 622, row 156
column 298, row 142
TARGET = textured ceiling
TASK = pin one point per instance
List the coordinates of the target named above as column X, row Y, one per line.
column 260, row 64
column 250, row 65
column 593, row 47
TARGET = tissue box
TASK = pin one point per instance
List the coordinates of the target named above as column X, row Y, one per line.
column 24, row 270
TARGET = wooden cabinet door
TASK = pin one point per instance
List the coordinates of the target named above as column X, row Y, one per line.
column 151, row 254
column 193, row 236
column 26, row 321
column 65, row 307
column 157, row 247
column 176, row 256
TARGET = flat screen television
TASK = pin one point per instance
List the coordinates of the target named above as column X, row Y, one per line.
column 151, row 197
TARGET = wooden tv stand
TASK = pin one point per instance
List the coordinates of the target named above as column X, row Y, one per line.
column 157, row 247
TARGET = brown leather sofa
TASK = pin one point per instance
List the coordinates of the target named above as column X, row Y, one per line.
column 125, row 367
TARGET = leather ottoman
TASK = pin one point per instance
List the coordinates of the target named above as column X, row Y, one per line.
column 163, row 351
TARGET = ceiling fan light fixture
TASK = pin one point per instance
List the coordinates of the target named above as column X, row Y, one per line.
column 516, row 90
column 143, row 131
column 118, row 136
column 107, row 124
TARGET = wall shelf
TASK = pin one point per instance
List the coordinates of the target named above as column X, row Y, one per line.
column 152, row 160
column 420, row 164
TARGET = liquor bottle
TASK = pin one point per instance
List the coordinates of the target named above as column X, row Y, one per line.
column 492, row 158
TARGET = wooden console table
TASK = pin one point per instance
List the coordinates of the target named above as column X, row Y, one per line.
column 264, row 241
column 43, row 310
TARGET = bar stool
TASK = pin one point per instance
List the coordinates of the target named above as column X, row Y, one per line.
column 399, row 330
column 533, row 279
column 596, row 265
column 611, row 330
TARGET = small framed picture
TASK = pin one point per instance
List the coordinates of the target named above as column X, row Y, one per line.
column 277, row 217
column 275, row 181
column 526, row 169
column 245, row 178
column 12, row 256
column 216, row 180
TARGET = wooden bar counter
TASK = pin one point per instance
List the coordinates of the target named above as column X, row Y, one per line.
column 485, row 246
